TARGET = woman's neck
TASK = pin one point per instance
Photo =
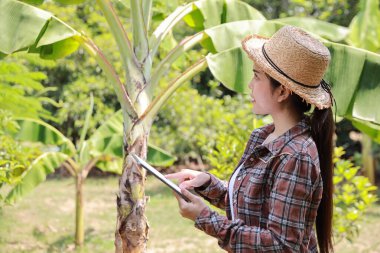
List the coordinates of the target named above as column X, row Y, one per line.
column 283, row 121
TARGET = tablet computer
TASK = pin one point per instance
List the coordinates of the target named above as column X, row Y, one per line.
column 158, row 175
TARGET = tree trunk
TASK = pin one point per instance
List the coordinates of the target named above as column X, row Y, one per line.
column 79, row 214
column 132, row 226
column 368, row 159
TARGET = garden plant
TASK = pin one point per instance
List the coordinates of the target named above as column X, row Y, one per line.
column 219, row 26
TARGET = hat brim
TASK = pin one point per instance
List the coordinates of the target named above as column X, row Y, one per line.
column 253, row 44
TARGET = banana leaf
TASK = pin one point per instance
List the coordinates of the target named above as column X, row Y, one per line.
column 34, row 130
column 372, row 130
column 353, row 73
column 159, row 157
column 324, row 29
column 365, row 26
column 36, row 174
column 63, row 2
column 156, row 157
column 107, row 140
column 207, row 14
column 111, row 164
column 24, row 27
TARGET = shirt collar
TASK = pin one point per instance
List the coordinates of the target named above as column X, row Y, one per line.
column 276, row 145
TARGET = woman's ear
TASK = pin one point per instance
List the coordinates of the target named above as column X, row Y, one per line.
column 283, row 93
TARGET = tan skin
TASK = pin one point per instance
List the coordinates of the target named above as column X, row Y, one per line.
column 265, row 100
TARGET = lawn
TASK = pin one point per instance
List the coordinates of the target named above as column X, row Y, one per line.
column 44, row 222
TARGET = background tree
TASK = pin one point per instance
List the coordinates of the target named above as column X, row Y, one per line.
column 139, row 94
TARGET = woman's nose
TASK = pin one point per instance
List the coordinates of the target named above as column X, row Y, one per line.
column 250, row 85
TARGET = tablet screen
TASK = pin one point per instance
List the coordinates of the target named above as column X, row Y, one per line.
column 158, row 175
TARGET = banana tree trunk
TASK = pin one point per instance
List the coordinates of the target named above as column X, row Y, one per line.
column 132, row 227
column 79, row 214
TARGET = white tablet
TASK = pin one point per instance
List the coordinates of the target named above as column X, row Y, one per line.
column 159, row 176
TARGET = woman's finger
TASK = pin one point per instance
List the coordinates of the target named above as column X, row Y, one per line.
column 177, row 175
column 181, row 201
column 188, row 184
column 189, row 195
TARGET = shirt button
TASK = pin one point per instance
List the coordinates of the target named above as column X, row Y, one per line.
column 239, row 178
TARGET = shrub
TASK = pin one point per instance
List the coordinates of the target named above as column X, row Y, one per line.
column 15, row 157
column 189, row 123
column 229, row 147
column 352, row 197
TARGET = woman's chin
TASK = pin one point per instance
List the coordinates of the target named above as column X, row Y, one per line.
column 258, row 112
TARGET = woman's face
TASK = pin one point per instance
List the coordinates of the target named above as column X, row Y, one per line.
column 262, row 95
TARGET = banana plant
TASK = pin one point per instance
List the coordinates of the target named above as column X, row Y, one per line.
column 365, row 33
column 219, row 25
column 102, row 149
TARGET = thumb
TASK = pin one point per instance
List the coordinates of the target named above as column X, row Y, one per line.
column 189, row 195
column 186, row 184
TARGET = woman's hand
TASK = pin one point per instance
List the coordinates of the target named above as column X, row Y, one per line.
column 188, row 179
column 190, row 210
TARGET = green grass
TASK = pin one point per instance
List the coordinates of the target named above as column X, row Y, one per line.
column 44, row 222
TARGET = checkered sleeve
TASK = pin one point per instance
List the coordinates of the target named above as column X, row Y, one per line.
column 215, row 192
column 295, row 181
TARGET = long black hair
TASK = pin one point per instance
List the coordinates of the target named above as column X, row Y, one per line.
column 322, row 131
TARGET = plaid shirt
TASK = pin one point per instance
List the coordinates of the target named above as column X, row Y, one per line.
column 276, row 195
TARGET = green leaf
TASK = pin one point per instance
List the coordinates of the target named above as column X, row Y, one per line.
column 207, row 14
column 239, row 10
column 324, row 29
column 58, row 49
column 86, row 123
column 226, row 36
column 34, row 130
column 352, row 73
column 159, row 157
column 108, row 138
column 356, row 86
column 156, row 157
column 25, row 27
column 113, row 165
column 63, row 2
column 68, row 2
column 33, row 2
column 36, row 174
column 239, row 68
column 107, row 141
column 372, row 130
column 365, row 26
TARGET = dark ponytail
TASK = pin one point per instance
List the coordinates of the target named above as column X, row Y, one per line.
column 322, row 131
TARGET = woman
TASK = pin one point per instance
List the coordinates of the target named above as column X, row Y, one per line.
column 282, row 185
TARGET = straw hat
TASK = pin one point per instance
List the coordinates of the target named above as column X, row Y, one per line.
column 295, row 59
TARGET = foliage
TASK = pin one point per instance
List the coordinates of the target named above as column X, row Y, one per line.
column 78, row 75
column 365, row 27
column 137, row 91
column 189, row 123
column 22, row 93
column 15, row 157
column 229, row 147
column 353, row 195
column 338, row 12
